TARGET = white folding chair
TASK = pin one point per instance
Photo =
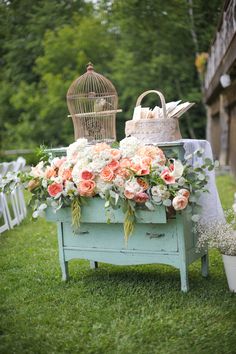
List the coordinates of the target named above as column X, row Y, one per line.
column 12, row 201
column 19, row 166
column 3, row 203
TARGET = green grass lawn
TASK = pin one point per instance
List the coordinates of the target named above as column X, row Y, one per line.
column 120, row 310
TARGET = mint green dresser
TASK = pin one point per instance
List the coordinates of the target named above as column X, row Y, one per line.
column 156, row 238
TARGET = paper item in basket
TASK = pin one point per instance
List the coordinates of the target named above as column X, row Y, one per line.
column 173, row 110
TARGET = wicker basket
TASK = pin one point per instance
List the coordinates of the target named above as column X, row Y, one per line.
column 154, row 130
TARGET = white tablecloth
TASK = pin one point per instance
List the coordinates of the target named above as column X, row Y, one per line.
column 210, row 202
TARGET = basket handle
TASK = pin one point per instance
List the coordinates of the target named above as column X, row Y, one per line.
column 162, row 98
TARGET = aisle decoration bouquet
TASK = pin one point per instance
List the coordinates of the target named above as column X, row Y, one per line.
column 131, row 176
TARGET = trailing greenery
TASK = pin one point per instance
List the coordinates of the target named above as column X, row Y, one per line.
column 115, row 309
column 76, row 212
column 129, row 220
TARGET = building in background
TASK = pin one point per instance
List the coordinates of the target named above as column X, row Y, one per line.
column 220, row 89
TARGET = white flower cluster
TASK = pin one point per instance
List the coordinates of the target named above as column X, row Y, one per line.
column 220, row 235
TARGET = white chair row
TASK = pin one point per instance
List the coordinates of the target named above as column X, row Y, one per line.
column 12, row 206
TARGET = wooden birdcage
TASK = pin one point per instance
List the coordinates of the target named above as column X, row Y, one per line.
column 92, row 102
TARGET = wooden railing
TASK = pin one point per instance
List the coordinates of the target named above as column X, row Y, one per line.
column 222, row 41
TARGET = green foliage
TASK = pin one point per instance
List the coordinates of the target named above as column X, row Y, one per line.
column 226, row 185
column 139, row 45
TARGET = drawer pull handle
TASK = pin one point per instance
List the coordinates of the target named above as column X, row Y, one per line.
column 154, row 235
column 77, row 232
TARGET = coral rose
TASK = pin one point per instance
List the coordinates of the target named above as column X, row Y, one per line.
column 55, row 189
column 86, row 188
column 113, row 165
column 167, row 176
column 141, row 197
column 86, row 175
column 107, row 174
column 49, row 172
column 179, row 202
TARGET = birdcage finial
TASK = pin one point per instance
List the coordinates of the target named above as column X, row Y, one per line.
column 90, row 66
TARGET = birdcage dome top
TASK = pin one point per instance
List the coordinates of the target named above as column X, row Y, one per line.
column 92, row 102
column 91, row 84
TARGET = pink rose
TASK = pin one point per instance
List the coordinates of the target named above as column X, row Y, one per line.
column 55, row 189
column 140, row 170
column 86, row 175
column 179, row 202
column 184, row 192
column 86, row 188
column 167, row 176
column 113, row 165
column 107, row 174
column 49, row 172
column 141, row 197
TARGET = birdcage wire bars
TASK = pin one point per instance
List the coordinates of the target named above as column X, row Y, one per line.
column 92, row 102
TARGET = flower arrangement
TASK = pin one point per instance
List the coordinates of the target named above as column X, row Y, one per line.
column 130, row 176
column 219, row 234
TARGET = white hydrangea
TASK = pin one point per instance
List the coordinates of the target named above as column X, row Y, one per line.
column 102, row 187
column 76, row 149
column 97, row 165
column 132, row 186
column 70, row 189
column 160, row 193
column 129, row 146
column 37, row 171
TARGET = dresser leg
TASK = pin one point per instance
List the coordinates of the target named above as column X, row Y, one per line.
column 184, row 278
column 93, row 264
column 205, row 265
column 65, row 271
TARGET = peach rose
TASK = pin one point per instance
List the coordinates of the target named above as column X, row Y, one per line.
column 146, row 162
column 141, row 197
column 55, row 189
column 123, row 172
column 116, row 154
column 100, row 147
column 179, row 202
column 129, row 195
column 184, row 192
column 125, row 163
column 167, row 176
column 67, row 174
column 113, row 165
column 49, row 172
column 86, row 188
column 107, row 174
column 86, row 175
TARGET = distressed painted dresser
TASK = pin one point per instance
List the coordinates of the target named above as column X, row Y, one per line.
column 156, row 238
